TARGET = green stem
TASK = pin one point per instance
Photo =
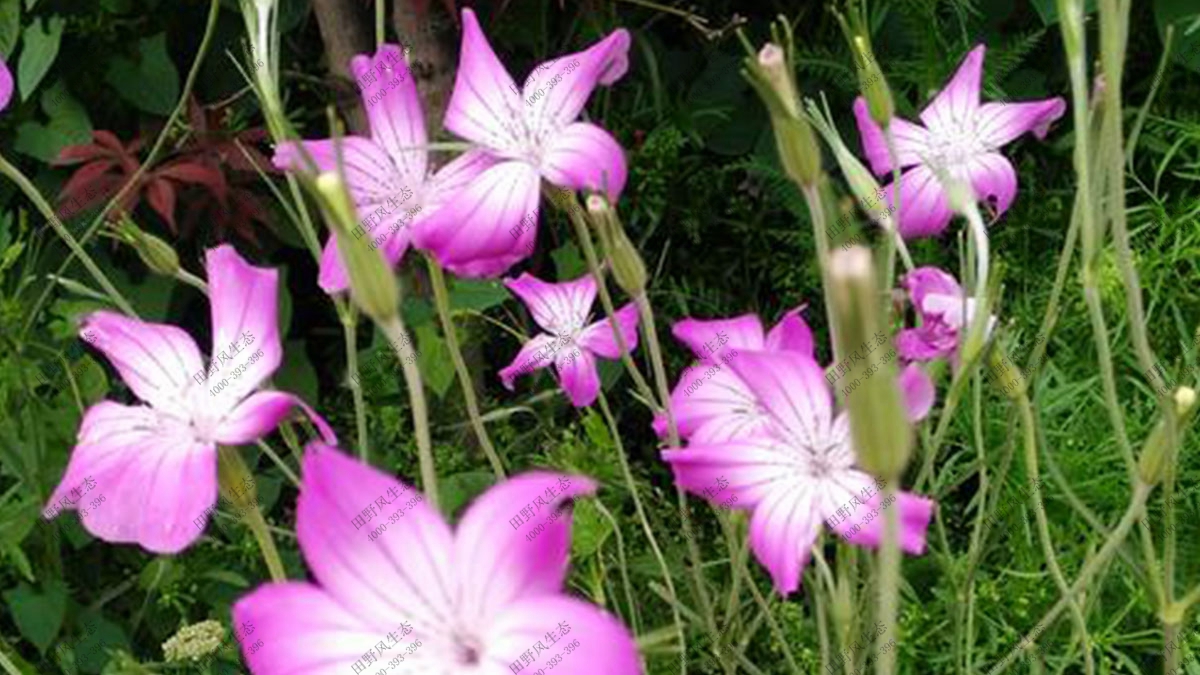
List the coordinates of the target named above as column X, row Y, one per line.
column 645, row 521
column 400, row 341
column 889, row 579
column 895, row 242
column 442, row 300
column 380, row 13
column 14, row 174
column 5, row 662
column 185, row 96
column 1137, row 505
column 233, row 476
column 1043, row 527
column 348, row 314
column 775, row 629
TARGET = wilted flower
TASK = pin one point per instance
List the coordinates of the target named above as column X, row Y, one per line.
column 799, row 471
column 156, row 464
column 388, row 173
column 960, row 136
column 570, row 342
column 405, row 589
column 527, row 137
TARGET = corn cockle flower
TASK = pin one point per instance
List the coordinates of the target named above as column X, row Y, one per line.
column 961, row 136
column 529, row 135
column 156, row 463
column 388, row 173
column 6, row 85
column 798, row 473
column 570, row 342
column 711, row 403
column 944, row 311
column 394, row 587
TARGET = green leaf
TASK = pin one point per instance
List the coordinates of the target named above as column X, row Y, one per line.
column 568, row 261
column 10, row 26
column 459, row 489
column 434, row 360
column 151, row 83
column 589, row 529
column 100, row 635
column 1186, row 48
column 38, row 616
column 69, row 125
column 476, row 294
column 41, row 48
column 225, row 576
column 297, row 374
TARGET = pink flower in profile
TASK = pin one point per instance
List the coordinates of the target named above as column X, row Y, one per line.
column 944, row 311
column 570, row 342
column 960, row 135
column 394, row 587
column 6, row 85
column 711, row 403
column 529, row 135
column 388, row 172
column 797, row 474
column 156, row 463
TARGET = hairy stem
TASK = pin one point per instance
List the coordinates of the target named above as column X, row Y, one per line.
column 398, row 337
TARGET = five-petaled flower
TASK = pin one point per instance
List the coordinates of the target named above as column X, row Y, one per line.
column 962, row 137
column 797, row 472
column 474, row 598
column 526, row 142
column 944, row 311
column 158, row 460
column 570, row 342
column 387, row 173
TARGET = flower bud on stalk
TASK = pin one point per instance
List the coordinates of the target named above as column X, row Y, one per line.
column 1153, row 461
column 874, row 85
column 771, row 75
column 628, row 269
column 156, row 253
column 372, row 283
column 877, row 420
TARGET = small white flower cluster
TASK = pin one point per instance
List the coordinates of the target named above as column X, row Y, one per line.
column 194, row 641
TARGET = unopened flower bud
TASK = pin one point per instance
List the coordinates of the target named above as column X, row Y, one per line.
column 874, row 85
column 1152, row 462
column 1007, row 376
column 372, row 283
column 798, row 151
column 878, row 424
column 154, row 252
column 628, row 269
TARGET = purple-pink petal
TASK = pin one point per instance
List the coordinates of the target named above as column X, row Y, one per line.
column 6, row 85
column 484, row 106
column 157, row 361
column 246, row 345
column 917, row 390
column 490, row 226
column 578, row 375
column 602, row 645
column 157, row 481
column 793, row 390
column 583, row 156
column 498, row 558
column 393, row 109
column 911, row 140
column 993, row 180
column 366, row 165
column 555, row 306
column 864, row 526
column 959, row 101
column 792, row 333
column 783, row 529
column 534, row 355
column 259, row 415
column 924, row 209
column 1000, row 123
column 557, row 90
column 702, row 336
column 600, row 340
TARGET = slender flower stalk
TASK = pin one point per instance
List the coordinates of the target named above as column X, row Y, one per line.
column 398, row 338
column 348, row 317
column 14, row 174
column 233, row 475
column 442, row 300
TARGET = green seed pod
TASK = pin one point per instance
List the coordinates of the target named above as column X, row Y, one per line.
column 628, row 268
column 372, row 283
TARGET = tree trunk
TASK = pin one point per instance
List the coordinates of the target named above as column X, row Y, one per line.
column 343, row 25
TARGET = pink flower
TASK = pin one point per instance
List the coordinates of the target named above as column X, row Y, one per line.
column 570, row 342
column 530, row 135
column 944, row 310
column 6, row 85
column 711, row 403
column 387, row 173
column 960, row 135
column 393, row 585
column 156, row 463
column 799, row 472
